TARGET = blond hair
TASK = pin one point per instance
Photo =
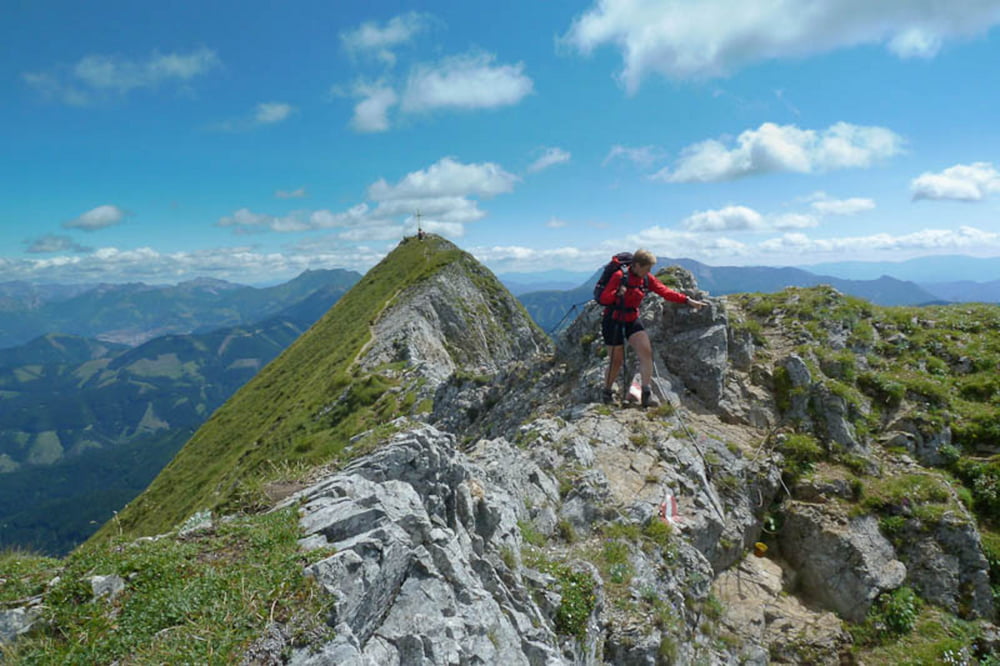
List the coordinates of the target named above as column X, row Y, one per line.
column 643, row 257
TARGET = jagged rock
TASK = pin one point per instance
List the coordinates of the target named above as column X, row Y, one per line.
column 269, row 648
column 437, row 327
column 946, row 565
column 773, row 624
column 922, row 439
column 107, row 586
column 418, row 572
column 843, row 563
column 694, row 345
column 18, row 621
column 832, row 418
column 800, row 381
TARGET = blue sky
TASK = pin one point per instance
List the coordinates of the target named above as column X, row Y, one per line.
column 250, row 141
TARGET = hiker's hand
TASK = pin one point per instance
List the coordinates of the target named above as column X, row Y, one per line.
column 621, row 290
column 697, row 305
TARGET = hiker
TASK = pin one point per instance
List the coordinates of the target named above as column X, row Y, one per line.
column 621, row 319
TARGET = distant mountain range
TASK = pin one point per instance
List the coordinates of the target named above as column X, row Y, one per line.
column 134, row 313
column 923, row 270
column 87, row 423
column 914, row 282
column 549, row 307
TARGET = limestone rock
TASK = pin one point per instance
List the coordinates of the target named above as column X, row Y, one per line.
column 418, row 573
column 844, row 563
column 18, row 621
column 946, row 565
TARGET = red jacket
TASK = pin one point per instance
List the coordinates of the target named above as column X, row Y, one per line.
column 634, row 293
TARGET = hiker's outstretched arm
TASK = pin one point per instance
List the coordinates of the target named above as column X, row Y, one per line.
column 666, row 292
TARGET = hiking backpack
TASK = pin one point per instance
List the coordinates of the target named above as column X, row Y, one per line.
column 619, row 262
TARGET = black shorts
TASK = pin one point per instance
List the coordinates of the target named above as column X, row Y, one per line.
column 617, row 332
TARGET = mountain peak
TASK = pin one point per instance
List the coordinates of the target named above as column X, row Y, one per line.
column 425, row 312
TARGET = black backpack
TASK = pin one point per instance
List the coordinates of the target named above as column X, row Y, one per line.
column 619, row 262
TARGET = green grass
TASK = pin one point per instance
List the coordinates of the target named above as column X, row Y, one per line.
column 935, row 637
column 201, row 599
column 303, row 407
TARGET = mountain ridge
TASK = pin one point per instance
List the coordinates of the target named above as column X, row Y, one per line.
column 318, row 424
column 814, row 488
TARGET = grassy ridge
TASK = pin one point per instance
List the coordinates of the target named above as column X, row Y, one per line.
column 301, row 410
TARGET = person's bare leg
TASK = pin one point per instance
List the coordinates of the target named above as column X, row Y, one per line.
column 644, row 350
column 615, row 354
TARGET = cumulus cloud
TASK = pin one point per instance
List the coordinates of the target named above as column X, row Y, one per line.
column 465, row 82
column 963, row 238
column 550, row 157
column 95, row 77
column 442, row 195
column 447, row 177
column 378, row 40
column 731, row 218
column 450, row 209
column 962, row 182
column 712, row 38
column 741, row 218
column 371, row 114
column 556, row 223
column 643, row 156
column 291, row 194
column 51, row 243
column 852, row 206
column 239, row 264
column 246, row 221
column 97, row 218
column 773, row 147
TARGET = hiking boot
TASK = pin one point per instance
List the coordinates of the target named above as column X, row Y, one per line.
column 647, row 396
column 607, row 396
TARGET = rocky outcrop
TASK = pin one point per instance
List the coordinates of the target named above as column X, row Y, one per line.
column 451, row 321
column 758, row 606
column 843, row 563
column 946, row 565
column 419, row 573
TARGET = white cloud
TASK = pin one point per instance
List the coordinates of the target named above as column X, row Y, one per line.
column 455, row 209
column 962, row 182
column 97, row 218
column 963, row 238
column 792, row 221
column 97, row 76
column 519, row 258
column 852, row 206
column 783, row 148
column 550, row 157
column 643, row 156
column 291, row 194
column 51, row 243
column 246, row 221
column 373, row 39
column 269, row 113
column 731, row 218
column 444, row 178
column 371, row 114
column 440, row 194
column 239, row 264
column 916, row 43
column 384, row 232
column 711, row 38
column 266, row 113
column 469, row 81
column 556, row 223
